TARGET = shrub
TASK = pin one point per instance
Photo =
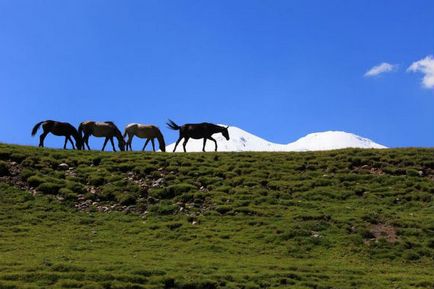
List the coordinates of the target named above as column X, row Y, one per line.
column 67, row 193
column 108, row 193
column 35, row 180
column 126, row 199
column 96, row 161
column 4, row 171
column 164, row 208
column 174, row 190
column 223, row 209
column 75, row 187
column 96, row 180
column 49, row 188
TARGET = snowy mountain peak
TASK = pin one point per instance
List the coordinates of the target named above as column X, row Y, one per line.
column 241, row 140
column 330, row 140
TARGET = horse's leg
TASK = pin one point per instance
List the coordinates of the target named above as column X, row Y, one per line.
column 211, row 138
column 153, row 144
column 185, row 143
column 86, row 141
column 113, row 144
column 130, row 140
column 70, row 140
column 42, row 138
column 128, row 146
column 204, row 143
column 146, row 143
column 66, row 140
column 105, row 142
column 177, row 142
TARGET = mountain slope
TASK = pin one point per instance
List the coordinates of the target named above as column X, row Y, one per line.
column 241, row 140
column 342, row 219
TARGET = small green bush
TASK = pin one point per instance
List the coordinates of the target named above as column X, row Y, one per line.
column 164, row 208
column 4, row 171
column 173, row 190
column 35, row 180
column 49, row 188
column 96, row 180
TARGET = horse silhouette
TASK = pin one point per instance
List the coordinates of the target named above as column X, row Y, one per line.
column 60, row 129
column 203, row 130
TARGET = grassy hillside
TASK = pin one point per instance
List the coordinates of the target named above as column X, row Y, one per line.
column 339, row 219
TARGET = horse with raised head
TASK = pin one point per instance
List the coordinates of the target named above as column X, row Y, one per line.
column 60, row 129
column 150, row 132
column 203, row 130
column 105, row 129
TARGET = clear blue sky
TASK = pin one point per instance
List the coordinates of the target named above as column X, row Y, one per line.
column 279, row 69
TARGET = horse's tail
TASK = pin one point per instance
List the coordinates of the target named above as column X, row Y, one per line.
column 160, row 139
column 36, row 127
column 80, row 129
column 172, row 125
column 127, row 128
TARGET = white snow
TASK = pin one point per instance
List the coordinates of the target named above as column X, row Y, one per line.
column 330, row 140
column 241, row 140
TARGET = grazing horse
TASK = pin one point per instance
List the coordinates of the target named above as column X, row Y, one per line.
column 60, row 129
column 150, row 132
column 197, row 131
column 105, row 129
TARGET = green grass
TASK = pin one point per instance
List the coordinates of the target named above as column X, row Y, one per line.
column 338, row 219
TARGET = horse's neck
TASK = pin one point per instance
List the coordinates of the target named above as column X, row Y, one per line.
column 218, row 128
column 118, row 135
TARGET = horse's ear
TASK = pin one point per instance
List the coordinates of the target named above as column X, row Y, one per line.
column 227, row 127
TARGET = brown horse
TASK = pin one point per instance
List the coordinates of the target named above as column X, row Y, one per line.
column 203, row 130
column 60, row 129
column 105, row 129
column 150, row 132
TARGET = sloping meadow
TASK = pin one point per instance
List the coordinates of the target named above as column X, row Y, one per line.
column 338, row 219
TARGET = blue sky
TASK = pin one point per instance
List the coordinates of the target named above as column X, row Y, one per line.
column 279, row 69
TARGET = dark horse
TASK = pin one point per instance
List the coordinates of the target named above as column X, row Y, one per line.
column 105, row 129
column 197, row 131
column 60, row 129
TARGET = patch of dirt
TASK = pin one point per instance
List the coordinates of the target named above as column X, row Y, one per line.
column 382, row 231
column 369, row 169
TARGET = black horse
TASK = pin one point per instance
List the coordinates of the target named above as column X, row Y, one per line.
column 60, row 129
column 197, row 131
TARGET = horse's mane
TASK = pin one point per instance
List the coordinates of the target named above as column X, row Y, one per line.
column 110, row 122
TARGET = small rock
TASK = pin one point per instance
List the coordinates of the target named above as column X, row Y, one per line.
column 420, row 173
column 63, row 166
column 157, row 183
column 194, row 223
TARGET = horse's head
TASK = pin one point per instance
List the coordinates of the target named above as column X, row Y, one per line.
column 121, row 145
column 225, row 132
column 79, row 144
column 78, row 141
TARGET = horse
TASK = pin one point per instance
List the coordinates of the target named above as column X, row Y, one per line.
column 105, row 129
column 203, row 130
column 60, row 129
column 150, row 132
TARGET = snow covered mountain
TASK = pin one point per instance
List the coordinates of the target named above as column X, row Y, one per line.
column 241, row 140
column 330, row 140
